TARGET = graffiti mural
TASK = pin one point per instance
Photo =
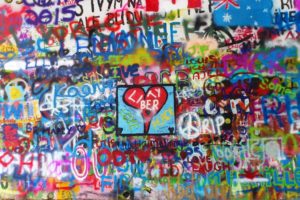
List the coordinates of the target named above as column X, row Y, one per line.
column 149, row 99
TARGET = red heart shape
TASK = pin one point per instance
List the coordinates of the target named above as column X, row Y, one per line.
column 149, row 103
column 183, row 155
column 143, row 155
column 13, row 21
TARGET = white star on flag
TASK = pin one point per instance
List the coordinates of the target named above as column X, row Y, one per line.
column 227, row 17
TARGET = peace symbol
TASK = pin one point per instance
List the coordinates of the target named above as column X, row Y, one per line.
column 189, row 125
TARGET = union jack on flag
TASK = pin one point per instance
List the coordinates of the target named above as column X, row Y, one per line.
column 243, row 13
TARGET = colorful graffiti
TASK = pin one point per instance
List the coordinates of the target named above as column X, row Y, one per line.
column 149, row 99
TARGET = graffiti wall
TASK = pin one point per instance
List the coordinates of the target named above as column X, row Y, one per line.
column 149, row 99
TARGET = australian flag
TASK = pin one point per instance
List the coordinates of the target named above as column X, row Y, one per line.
column 256, row 13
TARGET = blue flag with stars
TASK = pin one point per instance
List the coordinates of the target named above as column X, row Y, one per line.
column 243, row 13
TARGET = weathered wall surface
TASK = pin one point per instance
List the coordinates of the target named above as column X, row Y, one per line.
column 149, row 99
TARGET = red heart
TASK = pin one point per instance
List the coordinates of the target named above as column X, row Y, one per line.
column 12, row 19
column 143, row 155
column 183, row 155
column 149, row 103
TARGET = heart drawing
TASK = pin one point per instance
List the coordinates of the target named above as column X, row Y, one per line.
column 148, row 103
